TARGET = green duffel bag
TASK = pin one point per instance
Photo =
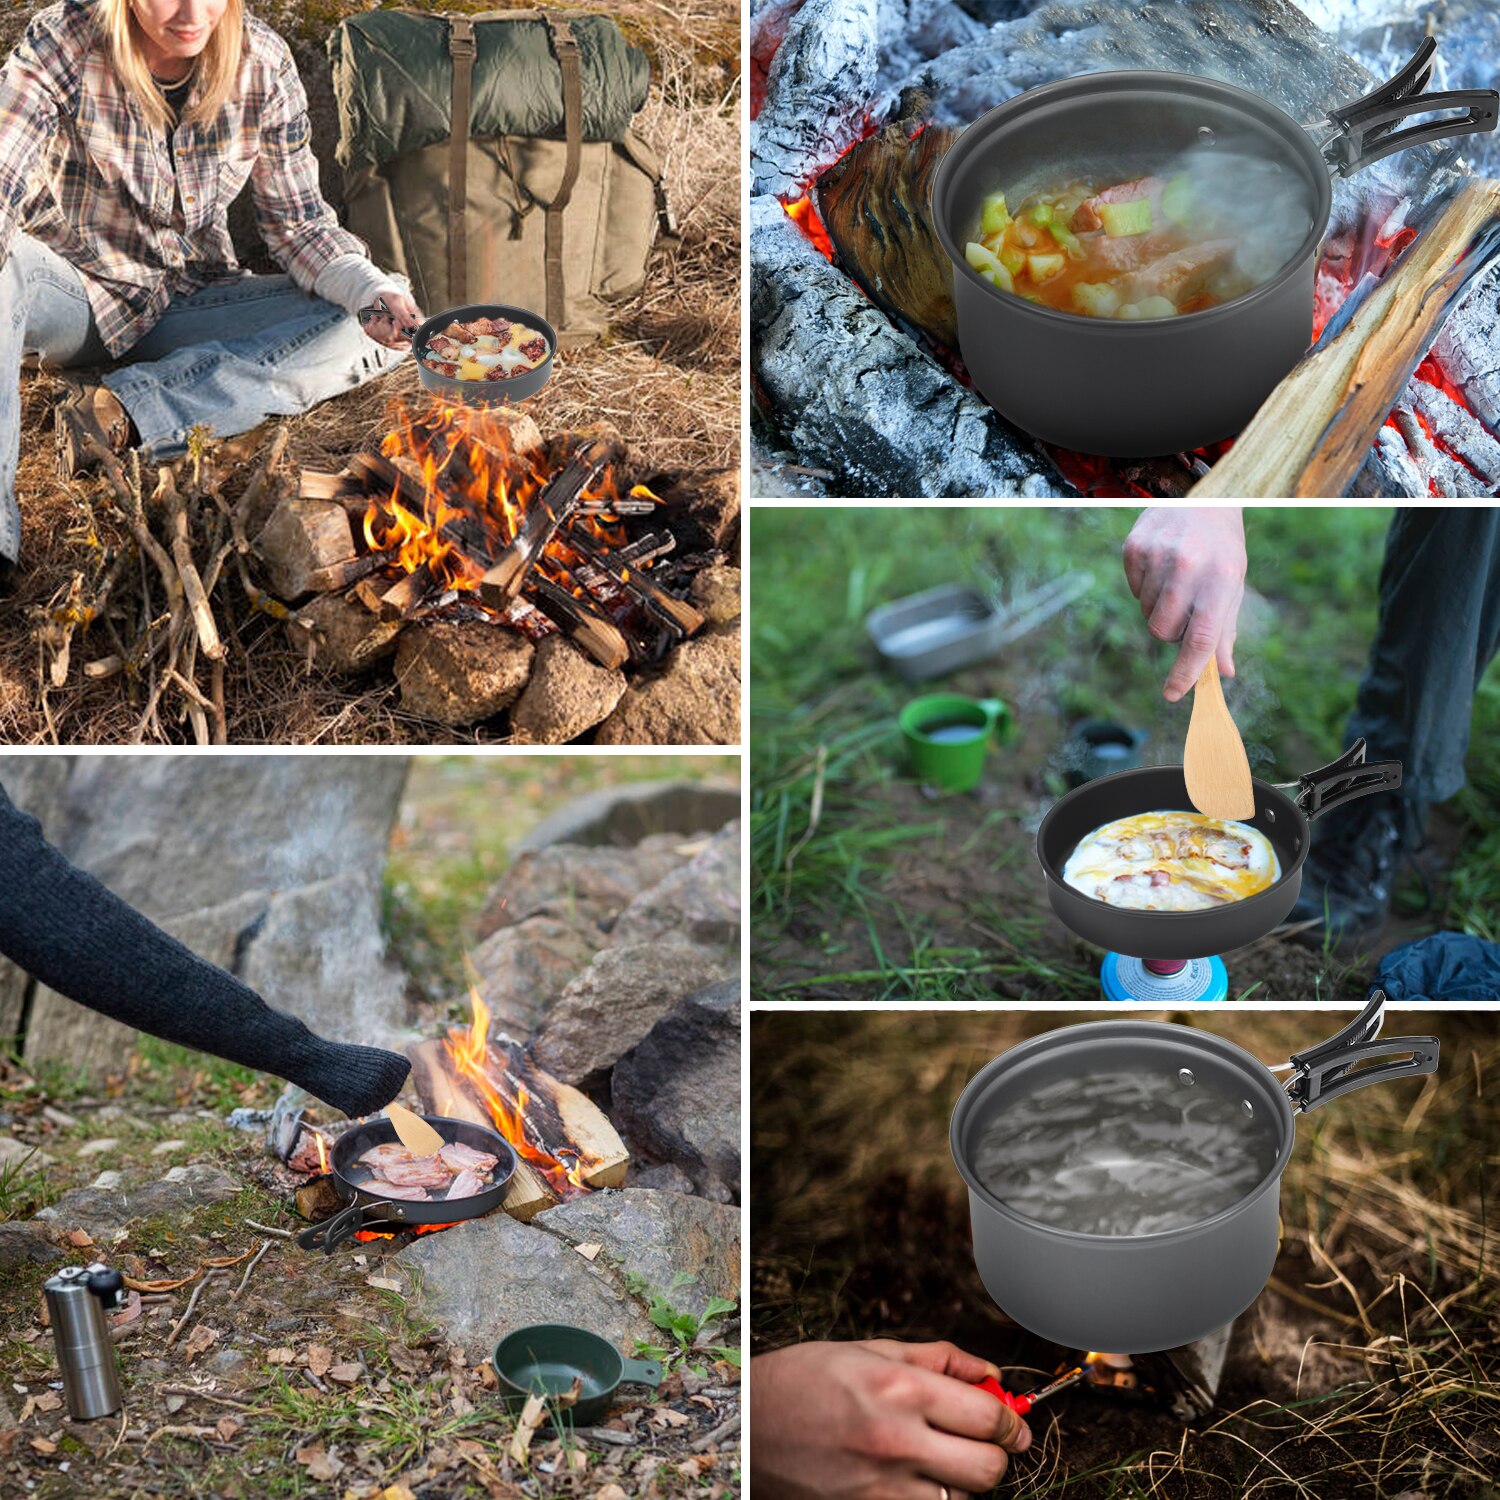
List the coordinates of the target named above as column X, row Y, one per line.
column 491, row 158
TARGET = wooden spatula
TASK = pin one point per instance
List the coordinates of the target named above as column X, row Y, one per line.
column 1213, row 760
column 413, row 1131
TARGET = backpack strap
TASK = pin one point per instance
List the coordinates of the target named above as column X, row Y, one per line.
column 461, row 48
column 565, row 45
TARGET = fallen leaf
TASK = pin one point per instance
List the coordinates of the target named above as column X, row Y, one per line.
column 226, row 1427
column 127, row 1314
column 29, row 1407
column 319, row 1463
column 611, row 1492
column 81, row 1238
column 319, row 1358
column 199, row 1341
column 398, row 1491
column 44, row 1445
column 218, row 1262
column 487, row 1377
column 664, row 1416
column 348, row 1374
column 533, row 1414
column 383, row 1283
column 588, row 1252
column 48, row 1401
column 280, row 1356
column 175, row 1404
column 135, row 1285
column 577, row 1459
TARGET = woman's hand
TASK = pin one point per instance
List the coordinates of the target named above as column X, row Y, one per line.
column 1187, row 567
column 877, row 1420
column 392, row 313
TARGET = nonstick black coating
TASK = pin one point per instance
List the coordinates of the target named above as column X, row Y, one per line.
column 349, row 1178
column 1160, row 934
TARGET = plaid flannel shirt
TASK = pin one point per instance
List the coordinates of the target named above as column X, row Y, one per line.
column 82, row 171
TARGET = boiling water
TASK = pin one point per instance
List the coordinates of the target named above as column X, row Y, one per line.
column 1125, row 1153
column 954, row 734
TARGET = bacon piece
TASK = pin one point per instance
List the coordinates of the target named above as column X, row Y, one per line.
column 421, row 1171
column 442, row 367
column 499, row 372
column 1182, row 274
column 381, row 1156
column 466, row 1184
column 442, row 346
column 1086, row 215
column 460, row 331
column 534, row 349
column 403, row 1190
column 458, row 1156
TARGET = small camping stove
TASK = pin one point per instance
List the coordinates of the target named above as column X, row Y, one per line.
column 1184, row 1381
column 1164, row 981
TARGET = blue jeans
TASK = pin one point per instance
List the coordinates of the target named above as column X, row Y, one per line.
column 228, row 356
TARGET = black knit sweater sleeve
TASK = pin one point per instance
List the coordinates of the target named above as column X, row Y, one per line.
column 76, row 936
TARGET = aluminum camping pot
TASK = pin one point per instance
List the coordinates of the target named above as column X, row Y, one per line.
column 1139, row 1293
column 1163, row 385
column 368, row 1209
column 1282, row 813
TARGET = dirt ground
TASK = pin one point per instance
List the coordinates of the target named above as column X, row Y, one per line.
column 667, row 376
column 1368, row 1366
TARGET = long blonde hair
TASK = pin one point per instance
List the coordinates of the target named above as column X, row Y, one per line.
column 218, row 65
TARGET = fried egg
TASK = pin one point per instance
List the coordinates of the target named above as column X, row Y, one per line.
column 1172, row 861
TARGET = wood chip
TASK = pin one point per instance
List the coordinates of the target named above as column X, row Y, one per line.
column 44, row 1445
column 281, row 1356
column 383, row 1283
column 588, row 1252
column 81, row 1238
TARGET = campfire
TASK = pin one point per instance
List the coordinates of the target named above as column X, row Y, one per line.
column 565, row 1143
column 858, row 382
column 466, row 518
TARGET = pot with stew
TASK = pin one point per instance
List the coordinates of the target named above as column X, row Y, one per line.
column 1133, row 253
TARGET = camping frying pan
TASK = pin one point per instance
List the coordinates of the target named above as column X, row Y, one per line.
column 1282, row 814
column 1161, row 385
column 391, row 1214
column 1135, row 1294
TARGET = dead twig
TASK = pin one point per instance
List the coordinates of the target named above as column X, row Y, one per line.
column 182, row 1322
column 234, row 1296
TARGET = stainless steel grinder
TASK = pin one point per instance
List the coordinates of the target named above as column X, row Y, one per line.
column 77, row 1299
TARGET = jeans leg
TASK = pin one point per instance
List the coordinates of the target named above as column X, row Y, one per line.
column 43, row 306
column 1439, row 629
column 232, row 354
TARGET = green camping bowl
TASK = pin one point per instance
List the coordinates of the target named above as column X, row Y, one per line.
column 544, row 1359
column 947, row 736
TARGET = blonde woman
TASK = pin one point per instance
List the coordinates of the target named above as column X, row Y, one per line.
column 126, row 129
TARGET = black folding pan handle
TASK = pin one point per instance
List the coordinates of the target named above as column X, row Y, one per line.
column 1327, row 1071
column 1366, row 129
column 328, row 1235
column 1344, row 779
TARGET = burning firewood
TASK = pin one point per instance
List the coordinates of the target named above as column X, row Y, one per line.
column 675, row 613
column 543, row 517
column 1313, row 434
column 874, row 203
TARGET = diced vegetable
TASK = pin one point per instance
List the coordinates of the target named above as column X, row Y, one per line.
column 1096, row 299
column 1066, row 238
column 1157, row 307
column 1041, row 214
column 985, row 262
column 1177, row 200
column 1122, row 219
column 1027, row 235
column 994, row 219
column 993, row 242
column 1045, row 267
column 1128, row 310
column 1013, row 259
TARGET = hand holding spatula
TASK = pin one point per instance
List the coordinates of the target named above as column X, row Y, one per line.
column 1214, row 763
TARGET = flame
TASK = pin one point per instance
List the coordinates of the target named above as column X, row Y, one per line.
column 475, row 493
column 469, row 1049
column 322, row 1151
column 389, row 1234
column 802, row 213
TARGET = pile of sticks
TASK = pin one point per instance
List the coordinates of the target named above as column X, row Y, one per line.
column 155, row 601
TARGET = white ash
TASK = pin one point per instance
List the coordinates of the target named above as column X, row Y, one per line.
column 1468, row 348
column 857, row 396
column 819, row 88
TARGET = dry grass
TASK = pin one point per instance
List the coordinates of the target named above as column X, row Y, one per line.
column 668, row 377
column 1371, row 1366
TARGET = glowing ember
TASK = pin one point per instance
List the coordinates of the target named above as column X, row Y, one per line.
column 389, row 1234
column 802, row 213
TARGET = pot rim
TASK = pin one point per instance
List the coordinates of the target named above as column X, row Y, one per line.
column 1266, row 788
column 1085, row 83
column 1066, row 1035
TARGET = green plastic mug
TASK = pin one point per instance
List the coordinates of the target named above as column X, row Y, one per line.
column 947, row 736
column 544, row 1359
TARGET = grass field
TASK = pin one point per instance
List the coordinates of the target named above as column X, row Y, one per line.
column 862, row 887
